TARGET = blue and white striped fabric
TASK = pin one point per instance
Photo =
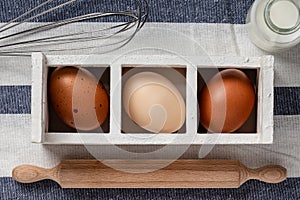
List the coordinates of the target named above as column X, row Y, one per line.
column 218, row 26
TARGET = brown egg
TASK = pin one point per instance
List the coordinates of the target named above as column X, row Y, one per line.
column 77, row 97
column 226, row 101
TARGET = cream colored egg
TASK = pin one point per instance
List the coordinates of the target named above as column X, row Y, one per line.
column 154, row 103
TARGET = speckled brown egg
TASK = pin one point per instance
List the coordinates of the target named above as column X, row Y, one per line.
column 78, row 98
column 226, row 102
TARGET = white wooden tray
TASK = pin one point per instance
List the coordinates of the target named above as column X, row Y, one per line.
column 263, row 113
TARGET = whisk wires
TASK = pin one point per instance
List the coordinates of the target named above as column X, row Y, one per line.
column 15, row 40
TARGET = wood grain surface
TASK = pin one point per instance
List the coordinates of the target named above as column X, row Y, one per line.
column 149, row 174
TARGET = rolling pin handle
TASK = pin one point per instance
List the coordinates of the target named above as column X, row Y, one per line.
column 269, row 174
column 31, row 174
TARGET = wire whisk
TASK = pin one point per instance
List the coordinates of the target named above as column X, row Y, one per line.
column 20, row 36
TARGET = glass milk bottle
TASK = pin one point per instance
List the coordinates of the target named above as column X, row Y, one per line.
column 274, row 25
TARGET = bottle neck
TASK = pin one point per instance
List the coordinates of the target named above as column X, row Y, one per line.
column 283, row 16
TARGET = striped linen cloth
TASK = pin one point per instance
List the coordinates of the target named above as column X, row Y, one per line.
column 218, row 26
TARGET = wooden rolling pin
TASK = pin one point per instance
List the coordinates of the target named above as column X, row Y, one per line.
column 179, row 174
